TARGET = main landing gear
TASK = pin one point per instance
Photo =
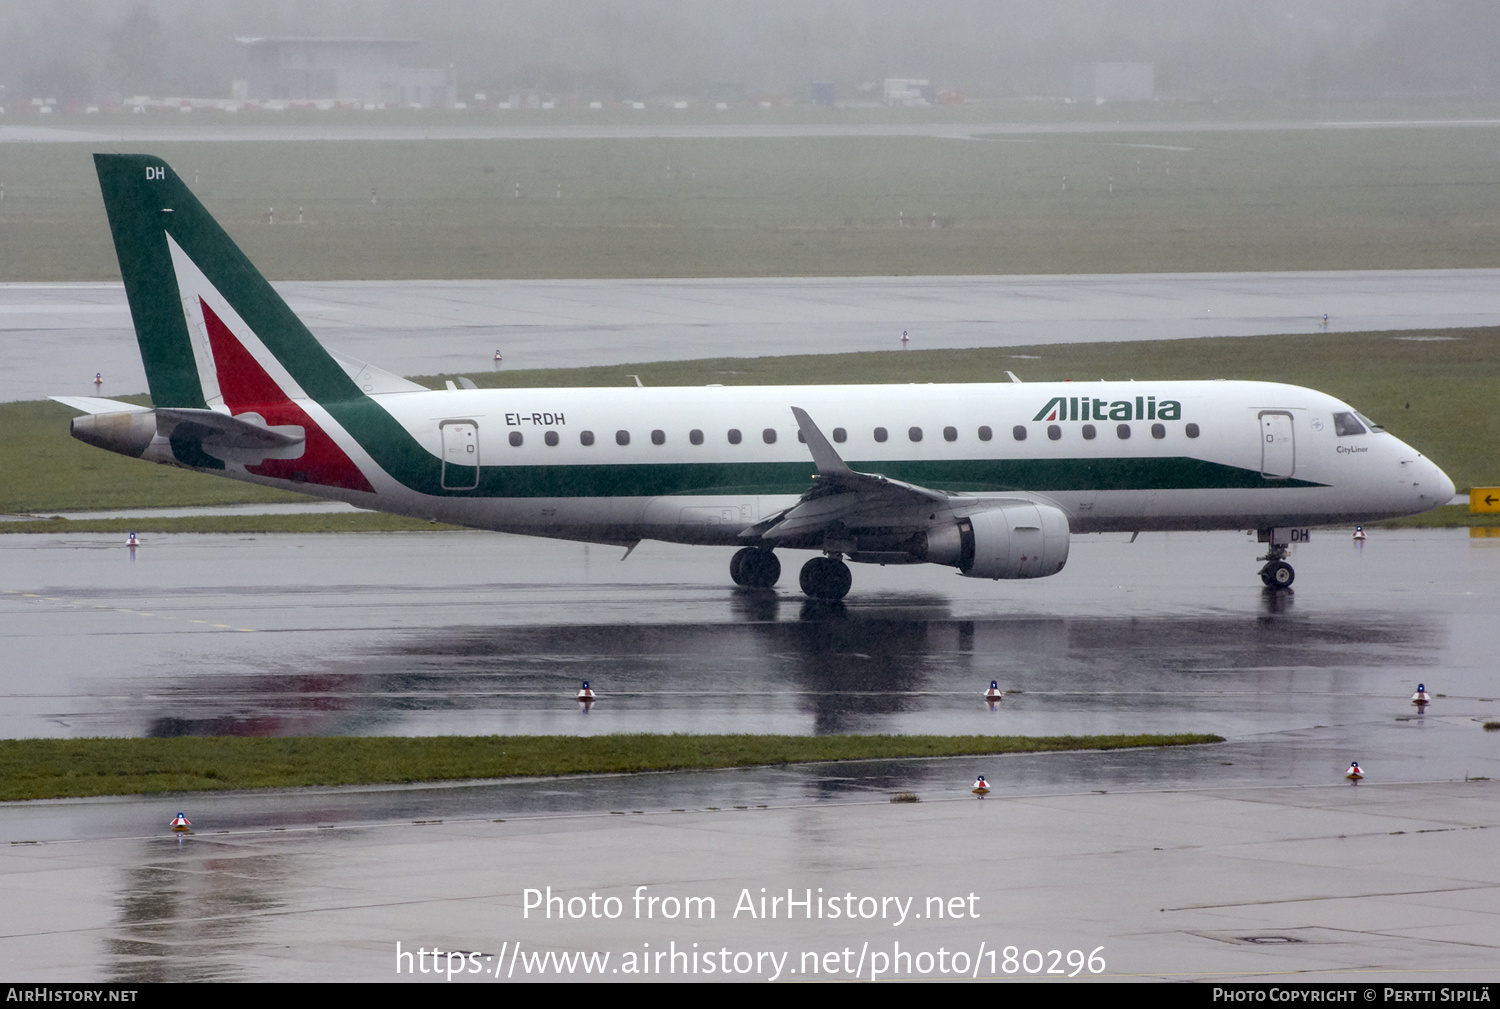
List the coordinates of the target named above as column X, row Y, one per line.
column 1277, row 574
column 754, row 568
column 822, row 577
column 826, row 578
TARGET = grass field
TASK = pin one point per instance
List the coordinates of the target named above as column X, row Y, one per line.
column 1259, row 198
column 1436, row 394
column 54, row 768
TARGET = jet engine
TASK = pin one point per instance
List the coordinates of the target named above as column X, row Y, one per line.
column 1021, row 540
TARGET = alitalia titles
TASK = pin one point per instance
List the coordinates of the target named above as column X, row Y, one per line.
column 1087, row 408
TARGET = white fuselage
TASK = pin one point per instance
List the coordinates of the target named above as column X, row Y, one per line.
column 1230, row 454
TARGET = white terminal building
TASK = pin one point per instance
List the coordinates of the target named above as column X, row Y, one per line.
column 367, row 71
column 1097, row 83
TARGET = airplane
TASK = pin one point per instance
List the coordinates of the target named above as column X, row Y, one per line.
column 990, row 479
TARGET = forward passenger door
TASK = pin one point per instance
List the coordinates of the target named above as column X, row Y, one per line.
column 1278, row 455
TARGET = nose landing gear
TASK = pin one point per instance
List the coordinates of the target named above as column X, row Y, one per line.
column 1277, row 574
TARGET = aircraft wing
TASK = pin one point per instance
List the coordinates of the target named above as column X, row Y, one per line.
column 842, row 495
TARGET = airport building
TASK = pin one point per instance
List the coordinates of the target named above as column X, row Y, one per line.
column 908, row 91
column 364, row 71
column 1097, row 83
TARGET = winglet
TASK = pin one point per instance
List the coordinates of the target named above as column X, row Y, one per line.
column 827, row 460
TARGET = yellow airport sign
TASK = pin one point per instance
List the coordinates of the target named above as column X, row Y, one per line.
column 1484, row 499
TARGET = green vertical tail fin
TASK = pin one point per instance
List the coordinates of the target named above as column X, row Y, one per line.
column 147, row 205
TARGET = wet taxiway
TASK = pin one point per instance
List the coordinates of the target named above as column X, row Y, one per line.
column 476, row 632
column 1191, row 863
column 55, row 337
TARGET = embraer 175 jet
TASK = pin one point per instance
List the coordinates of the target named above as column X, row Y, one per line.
column 989, row 479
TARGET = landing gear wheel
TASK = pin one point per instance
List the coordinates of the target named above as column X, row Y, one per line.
column 1278, row 575
column 826, row 578
column 754, row 568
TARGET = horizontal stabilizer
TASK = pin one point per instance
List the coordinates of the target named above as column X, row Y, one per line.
column 248, row 430
column 244, row 438
column 94, row 404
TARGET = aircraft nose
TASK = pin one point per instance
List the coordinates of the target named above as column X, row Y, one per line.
column 1444, row 485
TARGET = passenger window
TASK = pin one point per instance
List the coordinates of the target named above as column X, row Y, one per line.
column 658, row 437
column 768, row 436
column 1345, row 424
column 585, row 437
column 1158, row 430
column 1018, row 432
column 734, row 436
column 950, row 434
column 985, row 434
column 1088, row 432
column 550, row 438
column 516, row 439
column 840, row 435
column 881, row 434
column 622, row 437
column 1191, row 430
column 1123, row 431
column 1054, row 432
column 914, row 433
column 695, row 436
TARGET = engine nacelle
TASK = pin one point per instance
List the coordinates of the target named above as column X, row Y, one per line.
column 1019, row 540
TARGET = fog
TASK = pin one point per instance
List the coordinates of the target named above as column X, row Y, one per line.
column 96, row 50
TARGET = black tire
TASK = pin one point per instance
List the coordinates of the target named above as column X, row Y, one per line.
column 1279, row 575
column 755, row 568
column 762, row 569
column 826, row 578
column 737, row 565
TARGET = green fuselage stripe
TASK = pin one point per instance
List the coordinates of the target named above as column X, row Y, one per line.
column 971, row 476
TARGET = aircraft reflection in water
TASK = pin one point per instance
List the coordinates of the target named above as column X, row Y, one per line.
column 896, row 668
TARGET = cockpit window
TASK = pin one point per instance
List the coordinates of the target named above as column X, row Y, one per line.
column 1368, row 422
column 1345, row 424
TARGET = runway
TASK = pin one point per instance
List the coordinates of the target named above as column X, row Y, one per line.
column 55, row 337
column 211, row 127
column 1245, row 860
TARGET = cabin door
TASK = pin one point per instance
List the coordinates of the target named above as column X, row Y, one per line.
column 460, row 454
column 1278, row 455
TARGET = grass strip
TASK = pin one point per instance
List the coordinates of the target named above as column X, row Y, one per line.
column 1446, row 517
column 1144, row 202
column 59, row 768
column 341, row 522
